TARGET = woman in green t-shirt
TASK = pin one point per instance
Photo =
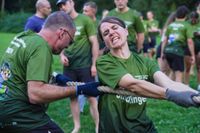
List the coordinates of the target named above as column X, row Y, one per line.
column 128, row 70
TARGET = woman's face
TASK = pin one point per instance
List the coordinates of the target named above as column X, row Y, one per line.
column 194, row 20
column 113, row 35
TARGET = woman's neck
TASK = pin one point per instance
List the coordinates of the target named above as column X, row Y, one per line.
column 122, row 52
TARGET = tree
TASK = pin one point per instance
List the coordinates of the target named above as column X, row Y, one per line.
column 2, row 6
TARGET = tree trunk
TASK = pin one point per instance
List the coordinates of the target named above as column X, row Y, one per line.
column 2, row 6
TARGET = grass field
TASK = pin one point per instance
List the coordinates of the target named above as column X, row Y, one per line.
column 167, row 117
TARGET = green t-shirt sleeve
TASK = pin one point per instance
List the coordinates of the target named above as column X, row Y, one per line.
column 90, row 27
column 39, row 64
column 109, row 72
column 152, row 67
column 139, row 28
column 189, row 31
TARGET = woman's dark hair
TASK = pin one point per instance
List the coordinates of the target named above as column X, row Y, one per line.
column 182, row 12
column 110, row 19
column 194, row 15
column 194, row 18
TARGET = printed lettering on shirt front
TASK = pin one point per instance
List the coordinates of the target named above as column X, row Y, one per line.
column 134, row 99
column 78, row 30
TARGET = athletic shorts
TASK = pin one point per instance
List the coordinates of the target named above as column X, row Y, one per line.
column 80, row 75
column 187, row 52
column 158, row 51
column 145, row 47
column 152, row 44
column 176, row 63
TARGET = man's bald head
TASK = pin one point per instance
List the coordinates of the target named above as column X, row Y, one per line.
column 43, row 7
column 59, row 19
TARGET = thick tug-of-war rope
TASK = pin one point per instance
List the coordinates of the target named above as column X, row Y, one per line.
column 120, row 91
column 106, row 89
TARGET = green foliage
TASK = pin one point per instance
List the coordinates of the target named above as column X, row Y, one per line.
column 161, row 8
column 13, row 23
column 4, row 42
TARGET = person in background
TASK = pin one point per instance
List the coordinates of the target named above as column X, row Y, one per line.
column 25, row 73
column 104, row 13
column 133, row 23
column 195, row 24
column 178, row 36
column 146, row 36
column 121, row 68
column 153, row 31
column 90, row 10
column 79, row 59
column 162, row 62
column 35, row 22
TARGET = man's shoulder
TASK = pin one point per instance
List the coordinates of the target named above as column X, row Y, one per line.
column 33, row 17
column 135, row 12
column 83, row 17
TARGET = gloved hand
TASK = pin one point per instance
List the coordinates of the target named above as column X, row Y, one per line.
column 183, row 99
column 62, row 79
column 59, row 79
column 89, row 89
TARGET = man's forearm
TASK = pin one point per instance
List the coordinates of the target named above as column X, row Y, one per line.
column 44, row 93
column 140, row 41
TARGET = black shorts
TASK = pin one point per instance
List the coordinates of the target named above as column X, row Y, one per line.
column 80, row 75
column 145, row 47
column 176, row 63
column 152, row 44
column 197, row 45
column 187, row 52
column 158, row 51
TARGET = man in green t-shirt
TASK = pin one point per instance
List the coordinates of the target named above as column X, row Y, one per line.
column 153, row 31
column 146, row 36
column 79, row 59
column 121, row 68
column 133, row 23
column 195, row 25
column 25, row 71
column 178, row 35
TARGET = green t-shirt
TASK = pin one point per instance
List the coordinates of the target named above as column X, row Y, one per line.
column 178, row 32
column 196, row 39
column 132, row 21
column 153, row 24
column 79, row 53
column 124, row 113
column 146, row 34
column 28, row 58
